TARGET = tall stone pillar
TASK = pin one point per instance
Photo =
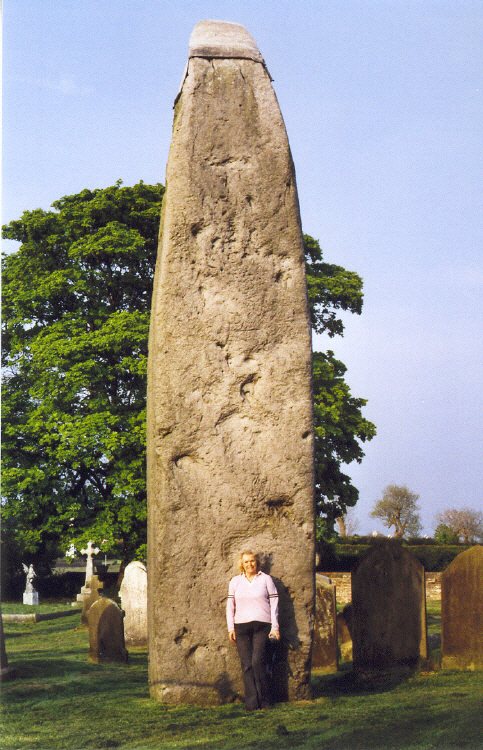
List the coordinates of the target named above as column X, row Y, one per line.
column 230, row 441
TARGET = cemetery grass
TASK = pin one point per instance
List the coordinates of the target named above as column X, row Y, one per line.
column 47, row 606
column 59, row 701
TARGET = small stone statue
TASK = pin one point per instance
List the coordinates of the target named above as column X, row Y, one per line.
column 30, row 595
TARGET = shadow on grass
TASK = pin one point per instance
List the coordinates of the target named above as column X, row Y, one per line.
column 349, row 682
column 68, row 676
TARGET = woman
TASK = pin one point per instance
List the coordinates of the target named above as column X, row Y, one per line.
column 252, row 616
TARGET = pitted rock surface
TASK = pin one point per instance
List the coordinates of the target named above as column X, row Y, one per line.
column 230, row 441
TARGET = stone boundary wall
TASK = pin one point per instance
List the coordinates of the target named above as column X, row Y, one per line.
column 433, row 586
column 342, row 582
column 343, row 586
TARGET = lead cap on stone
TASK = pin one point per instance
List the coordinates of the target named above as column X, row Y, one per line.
column 223, row 39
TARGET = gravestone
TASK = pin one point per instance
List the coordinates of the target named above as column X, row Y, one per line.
column 106, row 632
column 6, row 672
column 344, row 633
column 30, row 595
column 91, row 596
column 85, row 591
column 134, row 601
column 230, row 439
column 388, row 609
column 461, row 611
column 324, row 651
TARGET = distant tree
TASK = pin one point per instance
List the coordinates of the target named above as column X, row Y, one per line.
column 444, row 535
column 76, row 298
column 465, row 523
column 347, row 524
column 398, row 507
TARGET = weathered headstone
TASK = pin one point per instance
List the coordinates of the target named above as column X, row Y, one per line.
column 92, row 595
column 30, row 595
column 90, row 551
column 388, row 609
column 344, row 633
column 6, row 672
column 134, row 601
column 230, row 443
column 324, row 652
column 106, row 632
column 462, row 610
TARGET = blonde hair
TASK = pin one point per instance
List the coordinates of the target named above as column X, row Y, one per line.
column 248, row 552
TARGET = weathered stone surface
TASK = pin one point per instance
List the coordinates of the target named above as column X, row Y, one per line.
column 91, row 595
column 461, row 611
column 344, row 633
column 6, row 672
column 324, row 651
column 106, row 632
column 30, row 597
column 388, row 609
column 134, row 601
column 213, row 39
column 343, row 585
column 230, row 444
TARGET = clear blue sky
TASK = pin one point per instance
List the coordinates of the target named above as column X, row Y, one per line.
column 382, row 101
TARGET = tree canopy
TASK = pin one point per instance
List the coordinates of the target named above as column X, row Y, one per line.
column 75, row 324
column 444, row 535
column 398, row 507
column 464, row 523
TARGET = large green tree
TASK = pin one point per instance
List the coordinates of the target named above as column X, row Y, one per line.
column 75, row 324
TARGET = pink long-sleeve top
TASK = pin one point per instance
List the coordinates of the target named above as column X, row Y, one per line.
column 252, row 600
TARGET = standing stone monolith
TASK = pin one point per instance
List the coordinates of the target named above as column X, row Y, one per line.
column 230, row 440
column 388, row 609
column 462, row 611
column 134, row 601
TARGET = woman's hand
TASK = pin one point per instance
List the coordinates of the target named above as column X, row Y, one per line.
column 274, row 634
column 232, row 636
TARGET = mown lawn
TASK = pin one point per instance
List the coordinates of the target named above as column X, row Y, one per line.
column 59, row 701
column 47, row 606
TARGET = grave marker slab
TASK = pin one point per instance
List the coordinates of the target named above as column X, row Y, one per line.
column 324, row 650
column 388, row 609
column 6, row 672
column 134, row 601
column 92, row 595
column 106, row 632
column 344, row 634
column 461, row 611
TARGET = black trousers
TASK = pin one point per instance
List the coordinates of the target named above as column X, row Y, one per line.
column 251, row 642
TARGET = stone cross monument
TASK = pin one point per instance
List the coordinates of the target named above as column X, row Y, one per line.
column 230, row 440
column 90, row 551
